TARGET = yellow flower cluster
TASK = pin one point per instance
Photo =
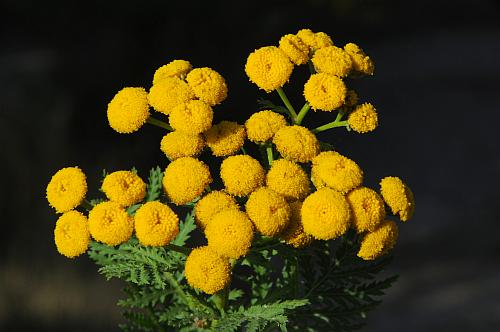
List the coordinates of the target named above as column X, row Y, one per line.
column 332, row 169
column 225, row 138
column 177, row 144
column 269, row 211
column 155, row 224
column 175, row 68
column 325, row 92
column 379, row 242
column 296, row 143
column 128, row 110
column 398, row 197
column 262, row 126
column 124, row 187
column 71, row 234
column 288, row 179
column 294, row 233
column 207, row 270
column 211, row 204
column 269, row 68
column 67, row 189
column 363, row 118
column 242, row 174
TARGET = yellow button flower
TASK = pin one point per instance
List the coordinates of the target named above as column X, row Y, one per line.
column 268, row 210
column 110, row 224
column 269, row 68
column 288, row 179
column 207, row 271
column 295, row 49
column 128, row 110
column 72, row 235
column 208, row 85
column 398, row 197
column 332, row 60
column 225, row 138
column 193, row 117
column 262, row 126
column 379, row 242
column 360, row 61
column 368, row 209
column 211, row 204
column 315, row 41
column 168, row 93
column 294, row 234
column 336, row 171
column 177, row 144
column 296, row 143
column 326, row 214
column 155, row 224
column 363, row 118
column 185, row 179
column 325, row 92
column 124, row 187
column 176, row 68
column 241, row 174
column 67, row 189
column 230, row 233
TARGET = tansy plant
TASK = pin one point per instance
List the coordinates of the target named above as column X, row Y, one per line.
column 290, row 239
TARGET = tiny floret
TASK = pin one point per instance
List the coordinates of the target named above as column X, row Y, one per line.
column 176, row 68
column 269, row 211
column 363, row 118
column 332, row 60
column 398, row 197
column 379, row 242
column 168, row 93
column 360, row 61
column 124, row 187
column 193, row 117
column 225, row 138
column 368, row 209
column 288, row 179
column 294, row 234
column 296, row 143
column 325, row 92
column 269, row 68
column 208, row 85
column 71, row 234
column 295, row 49
column 262, row 126
column 332, row 169
column 155, row 224
column 110, row 224
column 211, row 204
column 242, row 174
column 206, row 270
column 128, row 110
column 177, row 144
column 67, row 189
column 315, row 41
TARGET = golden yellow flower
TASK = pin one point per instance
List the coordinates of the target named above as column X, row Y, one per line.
column 325, row 214
column 208, row 85
column 315, row 41
column 110, row 224
column 360, row 61
column 241, row 174
column 185, row 179
column 211, row 204
column 325, row 92
column 379, row 242
column 398, row 197
column 207, row 271
column 288, row 179
column 230, row 233
column 269, row 68
column 295, row 49
column 225, row 138
column 124, row 187
column 262, row 126
column 177, row 144
column 363, row 118
column 176, row 68
column 336, row 171
column 72, row 235
column 128, row 110
column 332, row 60
column 155, row 224
column 193, row 117
column 368, row 209
column 168, row 93
column 268, row 210
column 294, row 234
column 296, row 143
column 67, row 189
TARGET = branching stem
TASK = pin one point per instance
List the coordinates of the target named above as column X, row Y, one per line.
column 287, row 103
column 302, row 113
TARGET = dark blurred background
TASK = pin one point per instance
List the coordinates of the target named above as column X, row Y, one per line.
column 436, row 86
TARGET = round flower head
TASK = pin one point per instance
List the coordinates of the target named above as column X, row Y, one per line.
column 177, row 144
column 398, row 197
column 368, row 209
column 176, row 68
column 294, row 234
column 295, row 49
column 72, row 235
column 296, row 143
column 193, row 117
column 288, row 179
column 262, row 126
column 360, row 61
column 325, row 92
column 315, row 41
column 207, row 271
column 110, row 224
column 128, row 110
column 336, row 171
column 124, row 187
column 155, row 224
column 230, row 233
column 67, row 189
column 225, row 138
column 325, row 214
column 168, row 93
column 269, row 68
column 241, row 174
column 379, row 242
column 185, row 179
column 268, row 210
column 363, row 118
column 332, row 60
column 208, row 85
column 211, row 204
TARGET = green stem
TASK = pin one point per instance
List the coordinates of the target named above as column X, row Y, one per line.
column 302, row 113
column 287, row 103
column 243, row 150
column 270, row 158
column 330, row 125
column 179, row 249
column 159, row 123
column 86, row 205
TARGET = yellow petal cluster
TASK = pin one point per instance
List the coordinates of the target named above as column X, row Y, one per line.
column 262, row 126
column 325, row 92
column 379, row 242
column 225, row 138
column 155, row 224
column 175, row 68
column 110, row 224
column 168, row 93
column 193, row 117
column 294, row 234
column 398, row 197
column 368, row 209
column 360, row 61
column 325, row 214
column 124, row 187
column 269, row 68
column 128, row 110
column 208, row 85
column 211, row 204
column 207, row 271
column 67, row 189
column 363, row 118
column 315, row 41
column 296, row 143
column 332, row 169
column 288, row 179
column 332, row 60
column 71, row 235
column 177, row 144
column 268, row 210
column 295, row 49
column 242, row 174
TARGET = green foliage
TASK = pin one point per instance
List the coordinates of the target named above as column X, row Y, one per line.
column 265, row 104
